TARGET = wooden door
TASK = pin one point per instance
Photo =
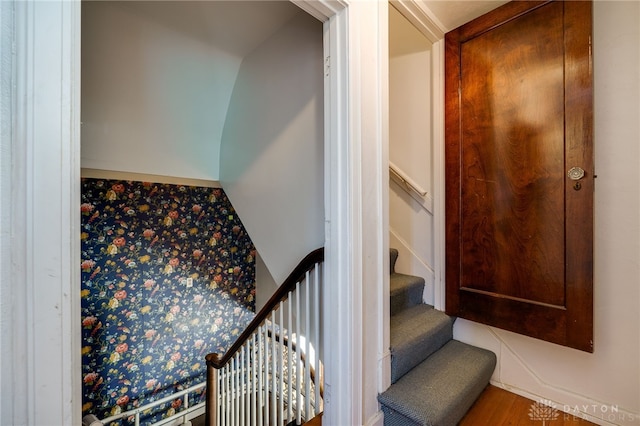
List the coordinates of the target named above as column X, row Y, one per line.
column 519, row 228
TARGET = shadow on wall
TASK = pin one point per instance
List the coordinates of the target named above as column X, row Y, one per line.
column 168, row 275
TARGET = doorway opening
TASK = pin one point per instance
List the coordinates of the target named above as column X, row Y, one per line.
column 167, row 88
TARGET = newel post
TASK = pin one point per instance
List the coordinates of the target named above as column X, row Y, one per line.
column 211, row 414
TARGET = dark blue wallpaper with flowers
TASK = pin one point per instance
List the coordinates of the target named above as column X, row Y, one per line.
column 168, row 275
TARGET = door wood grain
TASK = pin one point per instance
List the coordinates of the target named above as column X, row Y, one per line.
column 519, row 231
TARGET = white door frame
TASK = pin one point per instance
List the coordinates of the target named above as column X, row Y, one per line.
column 356, row 308
column 40, row 341
column 434, row 31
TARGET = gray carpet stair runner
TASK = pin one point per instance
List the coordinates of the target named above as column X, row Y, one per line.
column 435, row 379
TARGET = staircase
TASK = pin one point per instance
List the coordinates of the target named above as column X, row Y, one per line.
column 435, row 379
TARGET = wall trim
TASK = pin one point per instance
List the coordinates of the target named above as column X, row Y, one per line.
column 577, row 409
column 45, row 383
column 143, row 177
column 421, row 18
column 376, row 420
column 437, row 89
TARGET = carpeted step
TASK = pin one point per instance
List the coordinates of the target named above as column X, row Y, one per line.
column 416, row 333
column 406, row 291
column 393, row 256
column 440, row 390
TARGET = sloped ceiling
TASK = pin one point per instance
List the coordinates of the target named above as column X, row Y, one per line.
column 163, row 99
column 237, row 27
column 453, row 13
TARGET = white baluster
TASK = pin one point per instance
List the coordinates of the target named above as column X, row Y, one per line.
column 238, row 375
column 265, row 390
column 274, row 372
column 234, row 392
column 241, row 383
column 247, row 382
column 289, row 359
column 218, row 398
column 316, row 336
column 298, row 360
column 254, row 397
column 221, row 398
column 260, row 359
column 306, row 351
column 281, row 363
column 227, row 397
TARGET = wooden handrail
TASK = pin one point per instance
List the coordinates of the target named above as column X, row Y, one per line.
column 406, row 180
column 215, row 360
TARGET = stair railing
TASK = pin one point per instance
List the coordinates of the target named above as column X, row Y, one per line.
column 272, row 375
column 411, row 187
column 188, row 411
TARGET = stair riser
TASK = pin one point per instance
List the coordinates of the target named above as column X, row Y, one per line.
column 406, row 291
column 405, row 359
column 393, row 256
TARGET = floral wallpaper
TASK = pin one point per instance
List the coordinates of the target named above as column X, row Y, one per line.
column 168, row 275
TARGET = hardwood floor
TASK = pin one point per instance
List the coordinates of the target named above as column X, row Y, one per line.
column 497, row 407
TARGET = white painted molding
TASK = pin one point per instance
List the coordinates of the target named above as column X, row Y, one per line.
column 355, row 174
column 426, row 22
column 143, row 177
column 7, row 106
column 383, row 291
column 439, row 237
column 45, row 219
column 342, row 275
column 376, row 420
column 322, row 10
column 577, row 410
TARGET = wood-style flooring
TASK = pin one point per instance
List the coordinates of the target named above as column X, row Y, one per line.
column 497, row 407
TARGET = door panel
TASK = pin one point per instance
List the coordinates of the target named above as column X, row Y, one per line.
column 518, row 116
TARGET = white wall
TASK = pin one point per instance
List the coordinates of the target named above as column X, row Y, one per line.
column 609, row 378
column 410, row 148
column 154, row 97
column 265, row 284
column 271, row 156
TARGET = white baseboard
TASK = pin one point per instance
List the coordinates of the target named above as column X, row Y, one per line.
column 376, row 420
column 602, row 414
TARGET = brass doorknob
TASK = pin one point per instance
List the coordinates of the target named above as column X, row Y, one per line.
column 575, row 173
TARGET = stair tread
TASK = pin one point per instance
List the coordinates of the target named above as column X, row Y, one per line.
column 398, row 282
column 416, row 333
column 416, row 321
column 441, row 389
